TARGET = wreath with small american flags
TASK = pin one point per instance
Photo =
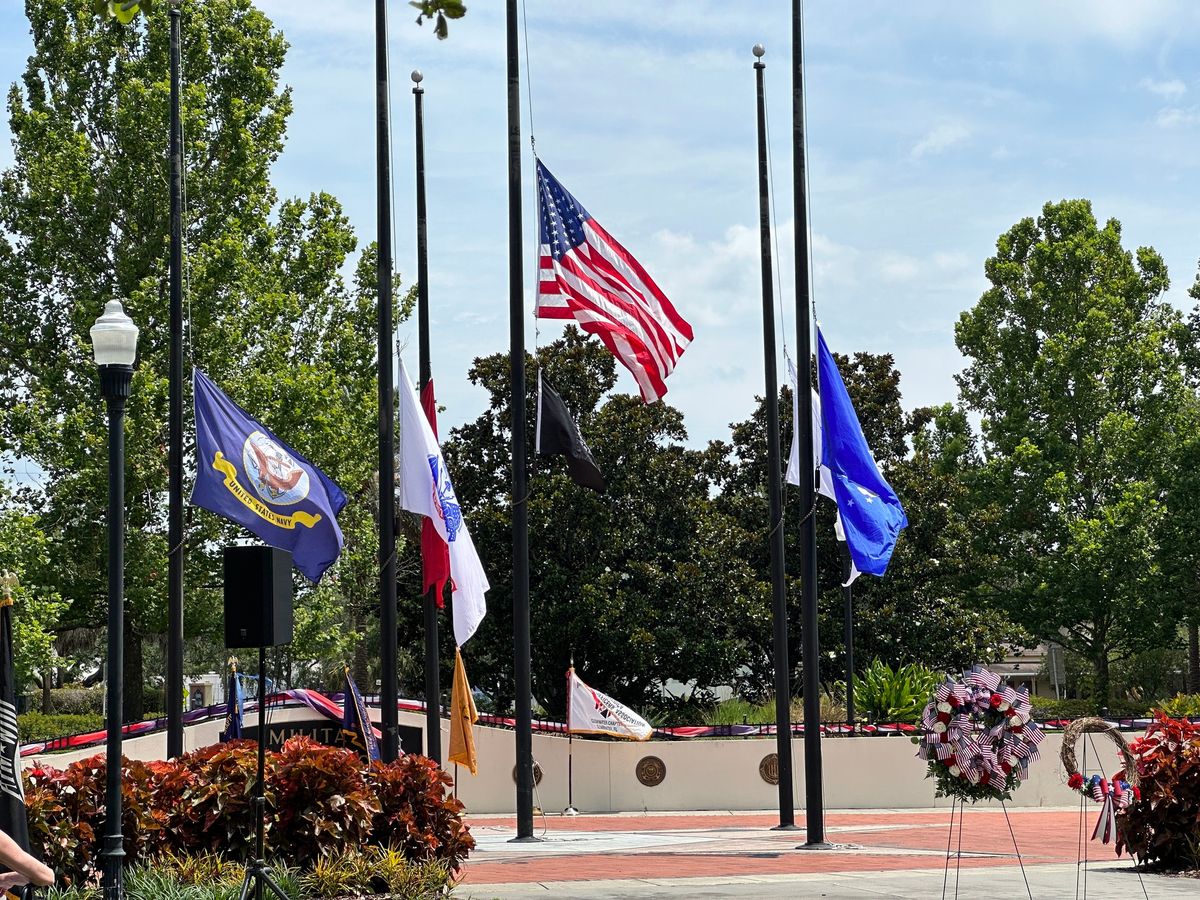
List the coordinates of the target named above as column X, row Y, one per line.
column 978, row 737
column 1113, row 796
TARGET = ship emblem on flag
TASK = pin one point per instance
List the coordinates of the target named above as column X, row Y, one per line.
column 251, row 477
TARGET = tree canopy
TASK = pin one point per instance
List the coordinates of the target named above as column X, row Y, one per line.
column 271, row 318
column 1076, row 364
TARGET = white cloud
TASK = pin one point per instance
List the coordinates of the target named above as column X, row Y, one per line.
column 941, row 139
column 1176, row 116
column 1119, row 22
column 1171, row 89
column 711, row 282
column 898, row 267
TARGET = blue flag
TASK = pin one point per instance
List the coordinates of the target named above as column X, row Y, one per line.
column 249, row 476
column 871, row 515
column 235, row 705
column 356, row 724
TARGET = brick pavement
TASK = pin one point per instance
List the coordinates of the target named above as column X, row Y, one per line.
column 587, row 848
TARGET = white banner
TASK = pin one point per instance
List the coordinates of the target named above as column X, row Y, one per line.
column 591, row 712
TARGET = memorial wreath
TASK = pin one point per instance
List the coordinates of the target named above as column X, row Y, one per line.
column 978, row 737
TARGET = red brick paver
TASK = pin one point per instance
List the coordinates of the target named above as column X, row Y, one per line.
column 741, row 844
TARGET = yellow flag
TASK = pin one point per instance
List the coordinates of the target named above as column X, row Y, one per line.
column 462, row 716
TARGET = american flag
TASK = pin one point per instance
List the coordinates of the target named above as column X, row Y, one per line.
column 585, row 275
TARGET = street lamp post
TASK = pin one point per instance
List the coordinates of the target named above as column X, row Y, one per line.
column 114, row 343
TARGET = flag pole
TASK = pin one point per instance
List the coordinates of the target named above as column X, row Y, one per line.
column 814, row 801
column 848, row 633
column 783, row 689
column 433, row 692
column 387, row 470
column 520, row 524
column 174, row 686
column 570, row 810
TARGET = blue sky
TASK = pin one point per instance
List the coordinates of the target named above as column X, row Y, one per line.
column 933, row 127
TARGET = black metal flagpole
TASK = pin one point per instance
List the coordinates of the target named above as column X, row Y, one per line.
column 783, row 690
column 520, row 524
column 570, row 810
column 848, row 633
column 174, row 687
column 387, row 470
column 814, row 800
column 433, row 691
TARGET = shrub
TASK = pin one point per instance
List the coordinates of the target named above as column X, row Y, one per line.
column 324, row 803
column 417, row 814
column 1164, row 824
column 214, row 809
column 376, row 870
column 35, row 726
column 894, row 695
column 1046, row 708
column 179, row 878
column 319, row 800
column 66, row 815
column 1180, row 705
column 77, row 700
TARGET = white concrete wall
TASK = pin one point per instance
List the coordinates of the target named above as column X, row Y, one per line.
column 859, row 772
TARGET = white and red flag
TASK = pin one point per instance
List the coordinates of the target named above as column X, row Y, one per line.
column 586, row 275
column 426, row 489
column 435, row 553
column 591, row 712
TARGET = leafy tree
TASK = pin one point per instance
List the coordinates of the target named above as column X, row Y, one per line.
column 923, row 611
column 84, row 219
column 928, row 608
column 24, row 557
column 638, row 584
column 439, row 11
column 1076, row 367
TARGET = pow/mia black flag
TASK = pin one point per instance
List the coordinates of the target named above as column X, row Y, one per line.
column 557, row 432
column 14, row 820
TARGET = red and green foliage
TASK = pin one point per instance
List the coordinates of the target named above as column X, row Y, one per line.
column 417, row 813
column 319, row 800
column 66, row 815
column 1164, row 825
column 325, row 803
column 211, row 792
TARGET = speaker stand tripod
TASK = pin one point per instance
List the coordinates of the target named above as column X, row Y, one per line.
column 258, row 873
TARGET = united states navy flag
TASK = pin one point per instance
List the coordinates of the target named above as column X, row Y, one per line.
column 249, row 476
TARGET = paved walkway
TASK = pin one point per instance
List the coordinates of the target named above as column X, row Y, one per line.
column 893, row 853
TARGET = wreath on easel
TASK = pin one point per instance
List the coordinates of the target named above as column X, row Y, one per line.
column 1114, row 795
column 979, row 738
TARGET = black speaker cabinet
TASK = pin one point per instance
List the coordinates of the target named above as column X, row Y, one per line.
column 258, row 597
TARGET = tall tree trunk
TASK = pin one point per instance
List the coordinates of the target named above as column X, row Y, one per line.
column 134, row 701
column 47, row 683
column 1101, row 686
column 1193, row 679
